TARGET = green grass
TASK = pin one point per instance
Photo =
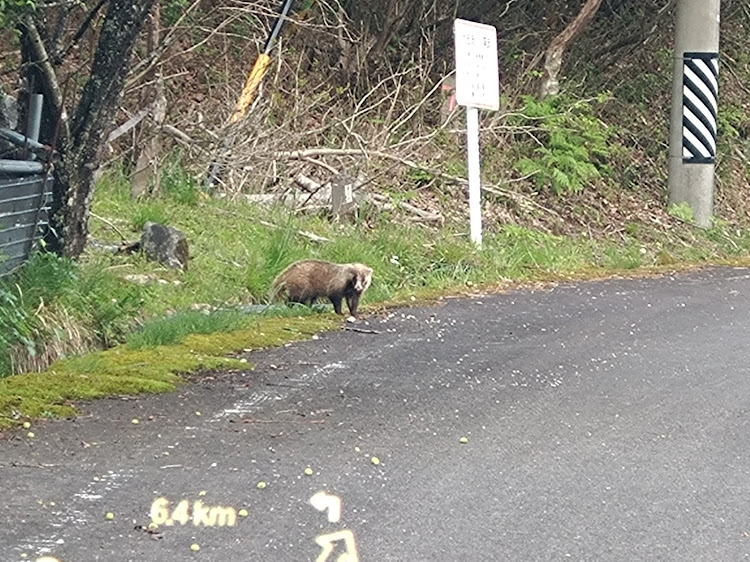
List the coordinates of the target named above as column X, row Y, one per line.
column 235, row 254
column 52, row 304
column 123, row 370
column 173, row 329
column 56, row 309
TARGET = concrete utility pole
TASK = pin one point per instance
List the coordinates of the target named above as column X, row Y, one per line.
column 695, row 85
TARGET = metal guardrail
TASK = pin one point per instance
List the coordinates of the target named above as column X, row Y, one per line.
column 24, row 195
column 24, row 208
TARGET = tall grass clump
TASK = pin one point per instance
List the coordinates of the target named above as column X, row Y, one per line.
column 52, row 308
column 274, row 250
column 177, row 183
column 173, row 329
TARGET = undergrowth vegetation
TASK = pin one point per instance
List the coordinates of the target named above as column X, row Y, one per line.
column 574, row 145
column 53, row 308
column 131, row 371
column 574, row 187
column 56, row 308
column 53, row 311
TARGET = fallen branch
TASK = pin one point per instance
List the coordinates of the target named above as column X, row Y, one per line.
column 322, row 165
column 305, row 233
column 496, row 190
column 125, row 247
column 177, row 134
column 308, row 184
column 360, row 330
column 109, row 223
column 424, row 215
column 129, row 124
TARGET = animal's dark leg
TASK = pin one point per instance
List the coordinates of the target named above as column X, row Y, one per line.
column 352, row 301
column 336, row 300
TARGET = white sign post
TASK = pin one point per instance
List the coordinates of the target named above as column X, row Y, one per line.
column 477, row 87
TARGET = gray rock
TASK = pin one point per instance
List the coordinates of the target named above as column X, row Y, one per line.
column 165, row 244
column 8, row 120
column 8, row 111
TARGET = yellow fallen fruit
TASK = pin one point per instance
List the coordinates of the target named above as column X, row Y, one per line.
column 375, row 460
column 464, row 440
column 202, row 493
column 195, row 547
column 135, row 421
column 110, row 515
column 30, row 435
column 309, row 471
column 356, row 449
column 261, row 485
column 152, row 526
column 26, row 425
column 242, row 513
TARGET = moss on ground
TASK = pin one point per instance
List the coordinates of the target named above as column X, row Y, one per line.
column 121, row 370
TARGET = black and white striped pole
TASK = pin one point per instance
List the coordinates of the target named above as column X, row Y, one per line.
column 695, row 88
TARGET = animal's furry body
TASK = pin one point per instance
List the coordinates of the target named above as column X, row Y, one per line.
column 308, row 280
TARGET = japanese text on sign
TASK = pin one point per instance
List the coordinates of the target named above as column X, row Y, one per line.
column 477, row 82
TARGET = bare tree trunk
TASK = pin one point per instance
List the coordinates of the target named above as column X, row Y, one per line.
column 553, row 61
column 81, row 151
column 40, row 72
column 392, row 15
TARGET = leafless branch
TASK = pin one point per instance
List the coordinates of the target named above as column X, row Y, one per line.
column 50, row 77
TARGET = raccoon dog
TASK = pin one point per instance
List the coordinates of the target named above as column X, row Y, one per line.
column 308, row 280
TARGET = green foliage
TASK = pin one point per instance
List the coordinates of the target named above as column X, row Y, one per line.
column 682, row 211
column 177, row 183
column 275, row 250
column 16, row 326
column 172, row 10
column 520, row 252
column 638, row 90
column 173, row 329
column 617, row 256
column 574, row 143
column 22, row 297
column 106, row 304
column 130, row 371
column 419, row 176
column 12, row 10
column 52, row 301
column 150, row 211
column 731, row 119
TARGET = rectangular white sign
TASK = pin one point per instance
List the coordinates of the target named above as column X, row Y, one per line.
column 477, row 83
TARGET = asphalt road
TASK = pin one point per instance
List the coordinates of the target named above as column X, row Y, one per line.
column 605, row 421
